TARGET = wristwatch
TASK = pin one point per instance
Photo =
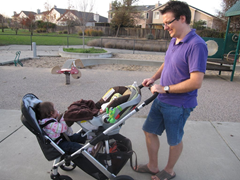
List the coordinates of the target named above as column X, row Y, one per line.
column 166, row 89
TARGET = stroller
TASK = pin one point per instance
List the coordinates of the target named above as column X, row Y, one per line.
column 115, row 149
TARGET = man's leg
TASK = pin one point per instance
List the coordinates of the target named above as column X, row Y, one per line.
column 153, row 145
column 174, row 154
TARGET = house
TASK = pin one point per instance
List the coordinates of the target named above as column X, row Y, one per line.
column 51, row 16
column 197, row 14
column 143, row 18
column 145, row 13
column 55, row 13
column 23, row 15
column 79, row 17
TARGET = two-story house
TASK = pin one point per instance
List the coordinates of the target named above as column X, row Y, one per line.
column 142, row 19
column 82, row 18
column 197, row 14
column 23, row 15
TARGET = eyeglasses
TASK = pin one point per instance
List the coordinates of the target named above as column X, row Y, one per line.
column 167, row 24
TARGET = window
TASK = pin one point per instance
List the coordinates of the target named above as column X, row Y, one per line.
column 156, row 15
column 147, row 16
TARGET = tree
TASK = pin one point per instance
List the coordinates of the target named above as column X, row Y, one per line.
column 2, row 20
column 199, row 25
column 235, row 21
column 46, row 14
column 69, row 18
column 15, row 24
column 124, row 13
column 85, row 7
column 29, row 22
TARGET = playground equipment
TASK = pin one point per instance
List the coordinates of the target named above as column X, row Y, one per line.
column 223, row 55
column 70, row 67
column 16, row 60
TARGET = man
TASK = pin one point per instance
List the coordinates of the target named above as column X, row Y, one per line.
column 181, row 75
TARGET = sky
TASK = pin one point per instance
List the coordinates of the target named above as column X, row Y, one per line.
column 100, row 6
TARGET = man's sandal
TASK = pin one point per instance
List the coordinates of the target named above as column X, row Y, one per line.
column 144, row 169
column 162, row 175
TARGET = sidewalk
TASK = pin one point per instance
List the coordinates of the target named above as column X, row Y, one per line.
column 211, row 151
column 211, row 148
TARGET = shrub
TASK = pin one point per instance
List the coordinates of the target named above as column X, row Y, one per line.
column 150, row 36
column 65, row 32
column 95, row 42
column 60, row 32
column 94, row 33
column 100, row 33
column 210, row 33
column 87, row 32
column 108, row 45
column 80, row 33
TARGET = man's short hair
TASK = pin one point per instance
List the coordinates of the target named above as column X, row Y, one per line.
column 178, row 8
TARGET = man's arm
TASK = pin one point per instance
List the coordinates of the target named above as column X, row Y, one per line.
column 194, row 82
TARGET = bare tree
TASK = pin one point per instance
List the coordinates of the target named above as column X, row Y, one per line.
column 15, row 24
column 124, row 13
column 30, row 22
column 235, row 21
column 69, row 18
column 46, row 14
column 2, row 21
column 85, row 7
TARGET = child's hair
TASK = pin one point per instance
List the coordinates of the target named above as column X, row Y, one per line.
column 45, row 110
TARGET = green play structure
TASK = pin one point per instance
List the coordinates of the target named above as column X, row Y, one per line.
column 224, row 53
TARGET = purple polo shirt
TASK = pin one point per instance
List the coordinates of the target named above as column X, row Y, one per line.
column 187, row 56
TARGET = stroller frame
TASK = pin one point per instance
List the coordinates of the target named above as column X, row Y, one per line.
column 27, row 107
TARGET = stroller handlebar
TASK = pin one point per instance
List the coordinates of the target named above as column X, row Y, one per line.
column 149, row 100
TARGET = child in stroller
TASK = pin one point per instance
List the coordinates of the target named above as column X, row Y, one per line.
column 56, row 128
column 107, row 163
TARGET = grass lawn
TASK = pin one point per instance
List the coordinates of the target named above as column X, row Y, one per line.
column 23, row 38
column 80, row 50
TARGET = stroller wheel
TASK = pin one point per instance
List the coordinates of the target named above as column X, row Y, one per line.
column 123, row 177
column 63, row 177
column 68, row 167
column 60, row 177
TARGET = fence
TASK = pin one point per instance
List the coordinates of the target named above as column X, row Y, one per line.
column 130, row 32
column 131, row 44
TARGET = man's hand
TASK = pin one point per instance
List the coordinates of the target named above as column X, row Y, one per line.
column 147, row 82
column 157, row 88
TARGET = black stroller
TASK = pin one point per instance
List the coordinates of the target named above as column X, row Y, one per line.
column 115, row 150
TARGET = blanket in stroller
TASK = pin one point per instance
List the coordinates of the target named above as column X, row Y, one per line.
column 80, row 110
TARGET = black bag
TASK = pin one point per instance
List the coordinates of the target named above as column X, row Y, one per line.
column 120, row 153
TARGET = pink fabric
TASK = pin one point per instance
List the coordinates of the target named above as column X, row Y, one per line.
column 54, row 129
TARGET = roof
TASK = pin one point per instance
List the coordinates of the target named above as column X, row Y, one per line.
column 144, row 7
column 61, row 11
column 234, row 10
column 140, row 8
column 189, row 6
column 28, row 12
column 88, row 15
column 103, row 19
